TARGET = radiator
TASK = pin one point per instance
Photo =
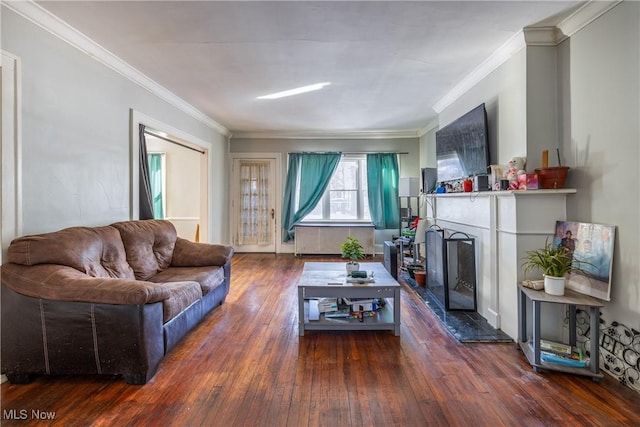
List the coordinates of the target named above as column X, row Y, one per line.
column 324, row 239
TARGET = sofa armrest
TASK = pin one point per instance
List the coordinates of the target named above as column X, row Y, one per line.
column 189, row 254
column 62, row 283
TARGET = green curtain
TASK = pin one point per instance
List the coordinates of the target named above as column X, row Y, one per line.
column 307, row 179
column 382, row 180
column 155, row 179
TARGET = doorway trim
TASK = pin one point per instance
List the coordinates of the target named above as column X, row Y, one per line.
column 10, row 149
column 277, row 200
column 136, row 119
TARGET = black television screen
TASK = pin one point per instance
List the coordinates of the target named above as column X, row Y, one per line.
column 462, row 147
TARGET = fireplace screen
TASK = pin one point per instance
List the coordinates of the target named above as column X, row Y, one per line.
column 451, row 269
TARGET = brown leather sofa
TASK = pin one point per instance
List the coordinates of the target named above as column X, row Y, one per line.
column 109, row 300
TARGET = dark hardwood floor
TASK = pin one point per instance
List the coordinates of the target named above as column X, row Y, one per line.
column 245, row 365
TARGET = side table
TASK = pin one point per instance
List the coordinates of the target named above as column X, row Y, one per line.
column 572, row 299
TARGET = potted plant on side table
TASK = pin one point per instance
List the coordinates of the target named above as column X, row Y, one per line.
column 555, row 263
column 353, row 250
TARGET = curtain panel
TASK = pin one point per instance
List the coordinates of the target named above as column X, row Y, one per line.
column 382, row 180
column 307, row 179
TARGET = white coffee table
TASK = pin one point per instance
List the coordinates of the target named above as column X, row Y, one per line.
column 329, row 279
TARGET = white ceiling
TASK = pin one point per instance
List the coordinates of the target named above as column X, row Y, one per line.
column 388, row 62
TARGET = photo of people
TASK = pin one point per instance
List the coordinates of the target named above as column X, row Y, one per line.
column 592, row 248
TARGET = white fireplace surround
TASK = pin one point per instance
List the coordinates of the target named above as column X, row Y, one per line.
column 505, row 224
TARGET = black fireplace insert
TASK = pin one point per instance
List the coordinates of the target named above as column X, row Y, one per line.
column 451, row 269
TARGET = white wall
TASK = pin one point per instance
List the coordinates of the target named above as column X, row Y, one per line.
column 598, row 131
column 409, row 163
column 601, row 138
column 76, row 134
column 504, row 93
column 541, row 106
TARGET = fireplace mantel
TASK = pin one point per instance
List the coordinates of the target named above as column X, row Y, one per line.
column 505, row 224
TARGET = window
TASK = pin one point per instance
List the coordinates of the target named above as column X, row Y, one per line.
column 346, row 197
column 158, row 181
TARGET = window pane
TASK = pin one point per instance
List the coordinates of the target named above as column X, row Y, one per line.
column 364, row 188
column 345, row 176
column 344, row 204
column 346, row 198
column 315, row 214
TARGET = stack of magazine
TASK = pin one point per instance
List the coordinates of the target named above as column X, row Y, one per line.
column 350, row 308
column 562, row 354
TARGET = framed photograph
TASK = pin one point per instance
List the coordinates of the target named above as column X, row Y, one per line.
column 592, row 244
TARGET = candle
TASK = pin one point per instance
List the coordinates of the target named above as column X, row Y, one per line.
column 545, row 158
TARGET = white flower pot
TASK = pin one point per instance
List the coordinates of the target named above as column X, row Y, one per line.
column 554, row 285
column 352, row 266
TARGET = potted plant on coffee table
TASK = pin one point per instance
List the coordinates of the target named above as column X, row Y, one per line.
column 353, row 250
column 555, row 263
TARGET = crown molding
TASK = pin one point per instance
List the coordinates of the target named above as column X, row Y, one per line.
column 542, row 36
column 534, row 36
column 318, row 134
column 529, row 36
column 433, row 124
column 584, row 16
column 54, row 25
column 499, row 57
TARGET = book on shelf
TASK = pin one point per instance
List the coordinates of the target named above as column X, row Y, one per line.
column 327, row 304
column 562, row 354
column 577, row 360
column 337, row 314
column 351, row 301
column 555, row 347
column 366, row 306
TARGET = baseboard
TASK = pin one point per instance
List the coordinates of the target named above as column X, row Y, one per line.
column 493, row 318
column 3, row 379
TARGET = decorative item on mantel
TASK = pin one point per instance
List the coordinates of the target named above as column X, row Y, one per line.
column 555, row 263
column 354, row 251
column 551, row 178
column 516, row 168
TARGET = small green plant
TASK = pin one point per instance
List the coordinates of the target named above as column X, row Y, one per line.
column 352, row 249
column 553, row 261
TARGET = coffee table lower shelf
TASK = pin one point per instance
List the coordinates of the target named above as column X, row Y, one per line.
column 329, row 280
column 383, row 320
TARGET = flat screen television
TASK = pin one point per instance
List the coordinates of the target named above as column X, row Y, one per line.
column 462, row 147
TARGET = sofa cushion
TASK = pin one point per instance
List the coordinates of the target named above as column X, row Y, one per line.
column 207, row 277
column 148, row 244
column 64, row 283
column 191, row 254
column 181, row 296
column 95, row 251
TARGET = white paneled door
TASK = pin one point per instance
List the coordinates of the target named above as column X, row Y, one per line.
column 253, row 204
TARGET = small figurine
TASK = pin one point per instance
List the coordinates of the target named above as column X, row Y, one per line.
column 516, row 167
